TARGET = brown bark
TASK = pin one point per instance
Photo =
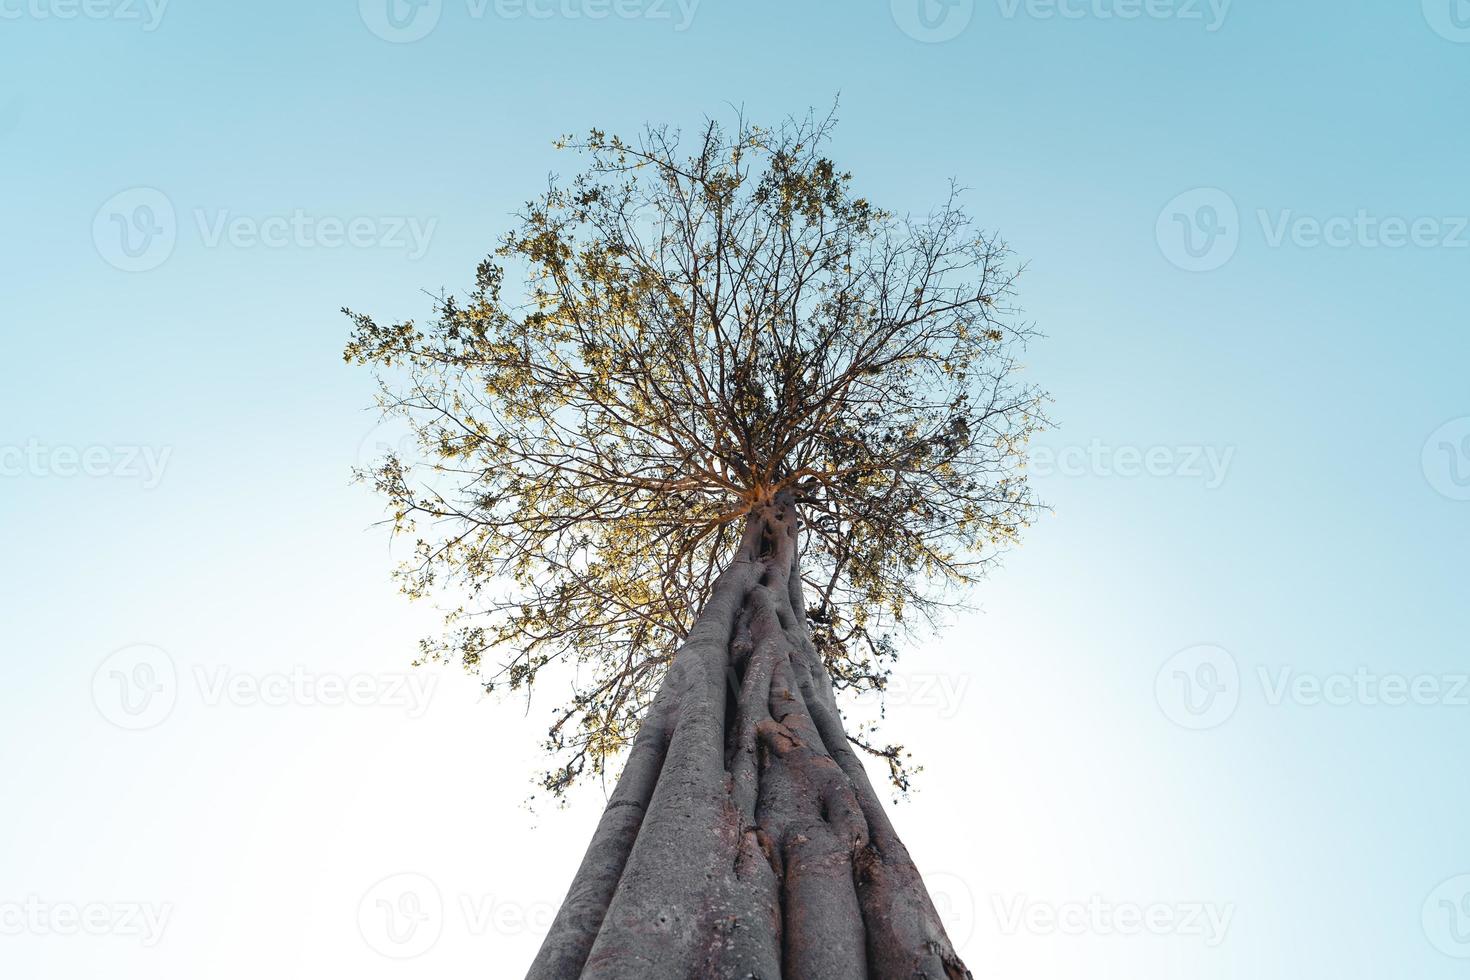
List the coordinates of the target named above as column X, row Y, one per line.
column 744, row 839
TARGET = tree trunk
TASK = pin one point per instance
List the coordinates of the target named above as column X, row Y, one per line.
column 744, row 839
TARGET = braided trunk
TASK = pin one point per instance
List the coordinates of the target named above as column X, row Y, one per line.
column 744, row 839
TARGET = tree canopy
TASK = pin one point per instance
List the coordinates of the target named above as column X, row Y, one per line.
column 685, row 328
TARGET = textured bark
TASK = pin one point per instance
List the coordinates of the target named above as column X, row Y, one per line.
column 744, row 839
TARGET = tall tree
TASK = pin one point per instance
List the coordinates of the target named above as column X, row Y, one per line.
column 735, row 433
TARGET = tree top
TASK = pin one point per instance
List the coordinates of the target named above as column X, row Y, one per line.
column 698, row 324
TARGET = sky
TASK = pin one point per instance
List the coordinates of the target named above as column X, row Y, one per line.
column 1207, row 721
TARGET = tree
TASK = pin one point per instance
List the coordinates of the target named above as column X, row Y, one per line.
column 738, row 430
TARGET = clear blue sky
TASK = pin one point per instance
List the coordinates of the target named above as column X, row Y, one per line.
column 1248, row 245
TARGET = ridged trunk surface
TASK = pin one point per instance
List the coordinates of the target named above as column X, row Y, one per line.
column 744, row 839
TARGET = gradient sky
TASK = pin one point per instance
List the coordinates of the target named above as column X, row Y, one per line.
column 1220, row 688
